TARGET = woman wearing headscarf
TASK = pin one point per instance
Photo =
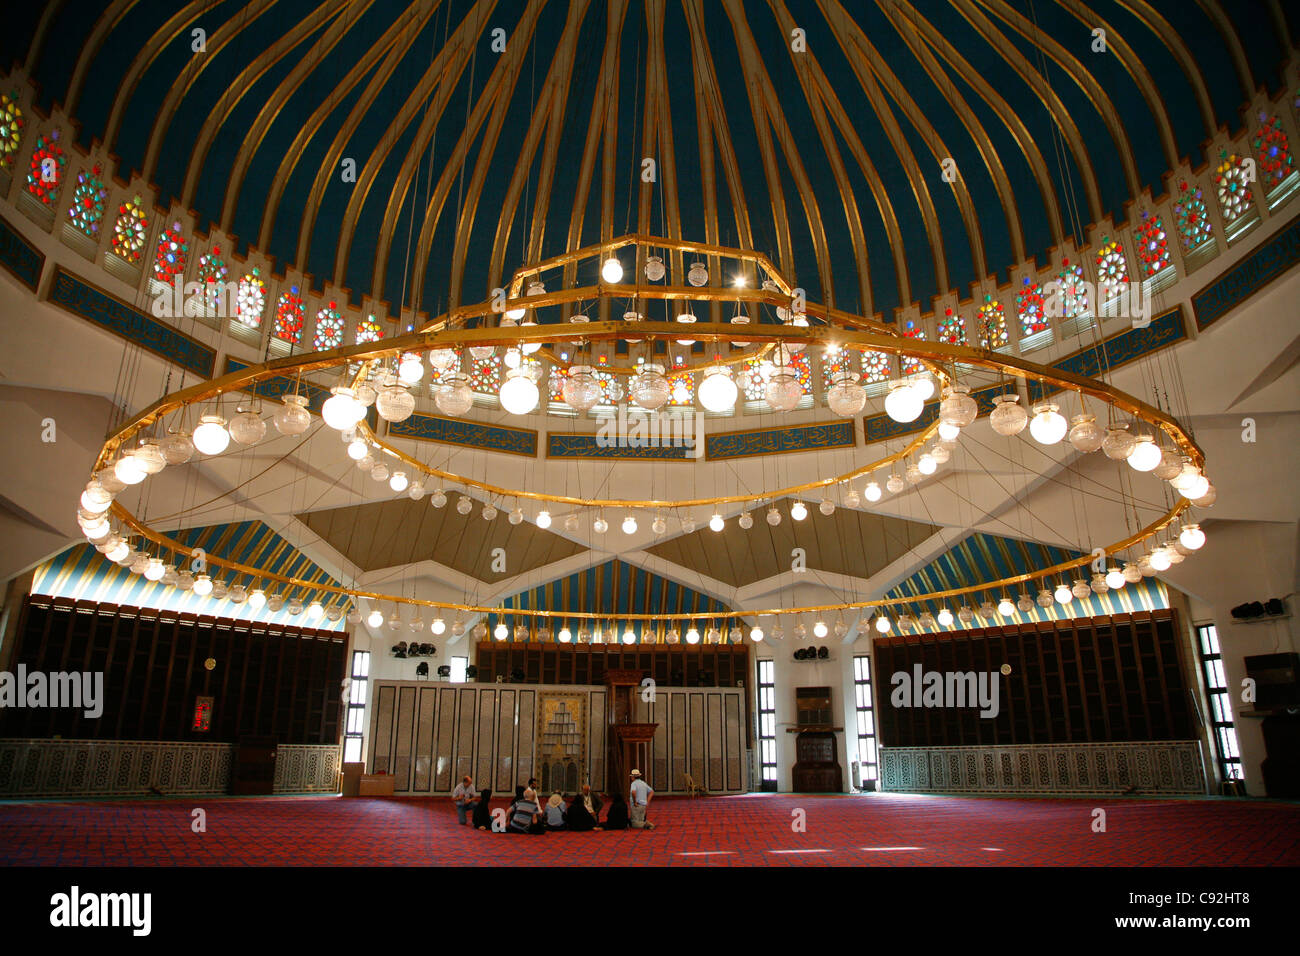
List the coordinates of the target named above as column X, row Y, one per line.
column 482, row 811
column 579, row 818
column 617, row 818
column 555, row 815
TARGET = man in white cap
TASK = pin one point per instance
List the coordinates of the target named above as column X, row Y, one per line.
column 639, row 802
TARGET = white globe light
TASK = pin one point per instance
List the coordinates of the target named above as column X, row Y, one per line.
column 926, row 465
column 438, row 626
column 611, row 270
column 756, row 634
column 543, row 519
column 629, row 635
column 718, row 390
column 948, row 432
column 376, row 618
column 119, row 551
column 210, row 435
column 629, row 525
column 872, row 492
column 895, row 484
column 1196, row 488
column 692, row 636
column 716, row 523
column 399, row 481
column 1160, row 560
column 923, row 385
column 654, row 268
column 1145, row 455
column 257, row 599
column 150, row 457
column 203, row 585
column 1192, row 537
column 314, row 611
column 1007, row 417
column 1063, row 594
column 902, row 404
column 1048, row 425
column 95, row 499
column 798, row 511
column 444, row 360
column 453, row 397
column 501, row 632
column 600, row 525
column 827, row 507
column 581, row 391
column 358, row 448
column 411, row 369
column 883, row 624
column 1115, row 579
column 519, row 392
column 945, row 617
column 819, row 629
column 155, row 569
column 565, row 635
column 341, row 410
column 1006, row 608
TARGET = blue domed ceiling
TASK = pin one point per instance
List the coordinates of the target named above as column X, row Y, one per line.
column 828, row 158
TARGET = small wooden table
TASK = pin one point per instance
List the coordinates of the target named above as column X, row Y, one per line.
column 377, row 785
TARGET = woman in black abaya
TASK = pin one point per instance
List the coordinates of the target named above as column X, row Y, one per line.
column 483, row 811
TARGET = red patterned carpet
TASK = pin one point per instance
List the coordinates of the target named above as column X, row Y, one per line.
column 754, row 830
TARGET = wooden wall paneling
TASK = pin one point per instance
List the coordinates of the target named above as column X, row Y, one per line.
column 695, row 739
column 660, row 714
column 445, row 735
column 403, row 737
column 485, row 740
column 465, row 733
column 506, row 743
column 734, row 747
column 426, row 712
column 1063, row 731
column 597, row 739
column 678, row 751
column 714, row 742
column 381, row 731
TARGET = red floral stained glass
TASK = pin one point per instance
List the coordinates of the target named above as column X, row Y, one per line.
column 835, row 363
column 875, row 367
column 45, row 173
column 369, row 330
column 1152, row 245
column 211, row 272
column 1272, row 152
column 485, row 374
column 329, row 328
column 289, row 317
column 172, row 254
column 952, row 328
column 1030, row 307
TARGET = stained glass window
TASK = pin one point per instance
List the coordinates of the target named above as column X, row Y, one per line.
column 11, row 128
column 45, row 174
column 952, row 328
column 1230, row 185
column 835, row 363
column 1272, row 152
column 172, row 254
column 1071, row 293
column 992, row 324
column 1030, row 307
column 1112, row 267
column 369, row 330
column 1190, row 219
column 130, row 230
column 88, row 200
column 1153, row 245
column 681, row 388
column 211, row 272
column 611, row 387
column 911, row 331
column 251, row 299
column 485, row 374
column 329, row 328
column 555, row 384
column 289, row 317
column 875, row 367
column 753, row 378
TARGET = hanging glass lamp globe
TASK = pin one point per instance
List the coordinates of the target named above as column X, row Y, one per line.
column 257, row 599
column 247, row 428
column 150, row 457
column 940, row 453
column 1132, row 573
column 571, row 523
column 516, row 516
column 1006, row 608
column 543, row 519
column 1080, row 588
column 945, row 617
column 95, row 498
column 672, row 636
column 1025, row 603
column 783, row 390
column 379, row 472
column 611, row 270
column 114, row 485
column 1192, row 537
column 746, row 520
column 697, row 275
column 410, row 369
column 629, row 524
column 1085, row 434
column 358, row 448
column 773, row 516
column 366, row 395
column 443, row 360
column 659, row 525
column 902, row 404
column 439, row 498
column 398, row 482
column 1045, row 597
column 453, row 395
column 581, row 390
column 798, row 511
column 395, row 403
column 1197, row 488
column 826, row 507
column 965, row 614
column 926, row 620
column 926, row 464
column 274, row 602
column 600, row 525
column 923, row 385
column 650, row 388
column 1145, row 567
column 220, row 589
column 464, row 505
column 1160, row 560
column 717, row 390
column 852, row 499
column 127, row 469
column 501, row 632
column 1048, row 426
column 957, row 407
column 1007, row 417
column 1115, row 579
column 756, row 634
column 1171, row 465
column 341, row 410
column 210, row 436
column 518, row 392
column 1145, row 455
column 1063, row 594
column 686, row 318
column 872, row 492
column 292, row 417
column 1118, row 443
column 716, row 523
column 895, row 484
column 480, row 631
column 654, row 268
column 846, row 397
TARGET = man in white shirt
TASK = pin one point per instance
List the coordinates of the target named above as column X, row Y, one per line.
column 465, row 797
column 639, row 802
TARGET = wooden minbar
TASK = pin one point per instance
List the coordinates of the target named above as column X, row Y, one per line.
column 629, row 739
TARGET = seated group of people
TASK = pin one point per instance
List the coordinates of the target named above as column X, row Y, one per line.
column 527, row 815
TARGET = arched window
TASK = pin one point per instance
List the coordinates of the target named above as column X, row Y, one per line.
column 11, row 129
column 992, row 324
column 172, row 254
column 87, row 209
column 485, row 374
column 875, row 367
column 212, row 272
column 369, row 330
column 1190, row 218
column 912, row 331
column 753, row 378
column 130, row 230
column 251, row 299
column 1153, row 245
column 1272, row 153
column 1071, row 292
column 45, row 174
column 952, row 328
column 288, row 317
column 835, row 363
column 1112, row 268
column 681, row 388
column 1235, row 197
column 1030, row 308
column 329, row 328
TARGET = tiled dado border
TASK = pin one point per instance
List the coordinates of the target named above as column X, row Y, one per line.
column 1172, row 766
column 96, row 768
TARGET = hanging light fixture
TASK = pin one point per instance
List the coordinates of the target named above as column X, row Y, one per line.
column 1006, row 608
column 883, row 624
column 872, row 492
column 1063, row 594
column 581, row 390
column 895, row 484
column 745, row 521
column 375, row 618
column 686, row 318
column 1115, row 579
column 1192, row 537
column 611, row 270
column 518, row 393
column 902, row 404
column 718, row 390
column 697, row 275
column 600, row 525
column 341, row 410
column 1118, row 443
column 1048, row 426
column 957, row 408
column 650, row 388
column 716, row 523
column 756, row 634
column 798, row 511
column 846, row 397
column 395, row 403
column 1085, row 434
column 659, row 525
column 629, row 524
column 453, row 395
column 1007, row 417
column 773, row 516
column 1145, row 455
column 945, row 617
column 1080, row 589
column 210, row 438
column 1025, row 603
column 654, row 268
column 543, row 519
column 398, row 481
